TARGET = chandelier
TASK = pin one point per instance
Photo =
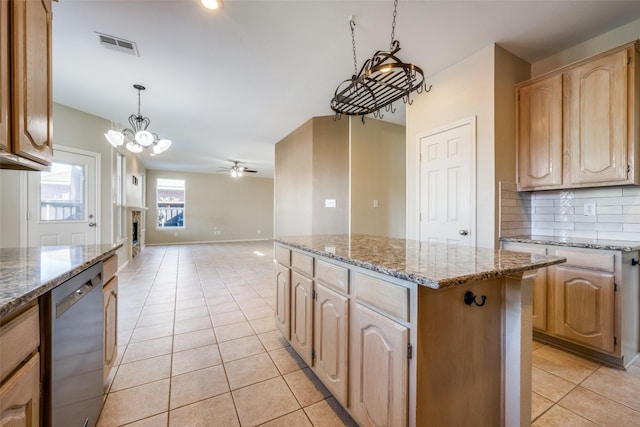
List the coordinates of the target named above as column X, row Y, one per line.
column 137, row 136
column 382, row 80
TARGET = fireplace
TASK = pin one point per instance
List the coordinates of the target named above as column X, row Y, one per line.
column 135, row 233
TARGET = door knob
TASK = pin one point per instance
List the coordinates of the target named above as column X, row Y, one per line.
column 463, row 232
column 92, row 224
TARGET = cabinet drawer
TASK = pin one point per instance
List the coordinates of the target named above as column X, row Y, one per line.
column 303, row 263
column 334, row 276
column 18, row 339
column 387, row 296
column 109, row 268
column 283, row 255
column 603, row 261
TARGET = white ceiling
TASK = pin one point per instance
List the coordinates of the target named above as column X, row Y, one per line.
column 229, row 85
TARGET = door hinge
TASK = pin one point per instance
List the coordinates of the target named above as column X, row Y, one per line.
column 615, row 341
column 409, row 351
column 313, row 355
column 314, row 295
column 628, row 60
column 615, row 287
column 628, row 168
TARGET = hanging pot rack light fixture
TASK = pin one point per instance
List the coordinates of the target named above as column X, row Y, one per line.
column 382, row 80
column 137, row 136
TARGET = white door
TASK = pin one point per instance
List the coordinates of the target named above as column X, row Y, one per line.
column 63, row 202
column 447, row 183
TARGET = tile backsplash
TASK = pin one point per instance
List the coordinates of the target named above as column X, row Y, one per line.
column 615, row 212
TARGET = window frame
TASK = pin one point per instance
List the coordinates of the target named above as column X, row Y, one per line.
column 160, row 208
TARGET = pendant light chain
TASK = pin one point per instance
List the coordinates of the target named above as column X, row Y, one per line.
column 352, row 24
column 393, row 25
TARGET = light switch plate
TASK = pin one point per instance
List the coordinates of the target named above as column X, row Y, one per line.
column 330, row 203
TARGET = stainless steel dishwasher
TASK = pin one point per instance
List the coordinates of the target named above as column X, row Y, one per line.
column 74, row 351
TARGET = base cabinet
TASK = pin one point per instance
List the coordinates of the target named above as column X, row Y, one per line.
column 380, row 370
column 20, row 397
column 283, row 298
column 584, row 306
column 302, row 316
column 110, row 298
column 331, row 341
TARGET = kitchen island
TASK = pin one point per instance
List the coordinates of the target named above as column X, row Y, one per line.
column 40, row 287
column 411, row 333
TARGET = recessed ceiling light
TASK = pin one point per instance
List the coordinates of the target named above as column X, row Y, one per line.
column 212, row 4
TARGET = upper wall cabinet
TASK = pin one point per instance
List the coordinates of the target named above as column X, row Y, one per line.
column 577, row 126
column 25, row 87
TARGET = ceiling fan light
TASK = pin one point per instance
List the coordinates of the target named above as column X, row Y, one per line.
column 234, row 173
column 114, row 137
column 134, row 147
column 212, row 4
column 161, row 146
column 144, row 138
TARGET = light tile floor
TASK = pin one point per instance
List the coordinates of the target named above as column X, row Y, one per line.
column 198, row 347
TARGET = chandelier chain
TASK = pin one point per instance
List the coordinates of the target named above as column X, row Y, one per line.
column 393, row 25
column 352, row 24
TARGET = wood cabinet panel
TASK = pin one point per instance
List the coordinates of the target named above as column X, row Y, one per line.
column 20, row 396
column 539, row 137
column 379, row 369
column 332, row 275
column 584, row 307
column 19, row 338
column 283, row 300
column 386, row 296
column 592, row 260
column 331, row 341
column 302, row 316
column 110, row 291
column 109, row 268
column 283, row 255
column 32, row 128
column 5, row 98
column 302, row 263
column 596, row 119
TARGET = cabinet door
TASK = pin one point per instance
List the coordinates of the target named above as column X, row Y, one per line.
column 283, row 300
column 540, row 134
column 584, row 306
column 31, row 90
column 4, row 76
column 302, row 316
column 331, row 340
column 596, row 120
column 20, row 396
column 379, row 369
column 110, row 291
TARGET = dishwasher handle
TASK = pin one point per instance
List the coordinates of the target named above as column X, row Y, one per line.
column 77, row 294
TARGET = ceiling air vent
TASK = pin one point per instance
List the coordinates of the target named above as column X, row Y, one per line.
column 120, row 45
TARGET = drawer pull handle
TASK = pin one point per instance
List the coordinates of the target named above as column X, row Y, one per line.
column 470, row 298
column 634, row 261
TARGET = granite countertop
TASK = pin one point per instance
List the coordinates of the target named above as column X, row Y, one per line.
column 432, row 264
column 576, row 242
column 27, row 273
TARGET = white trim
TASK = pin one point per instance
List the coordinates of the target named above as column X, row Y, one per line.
column 472, row 172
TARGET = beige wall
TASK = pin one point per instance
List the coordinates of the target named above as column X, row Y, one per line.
column 12, row 208
column 218, row 208
column 481, row 86
column 378, row 173
column 601, row 43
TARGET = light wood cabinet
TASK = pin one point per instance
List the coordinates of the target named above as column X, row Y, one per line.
column 20, row 396
column 26, row 111
column 110, row 291
column 20, row 368
column 596, row 119
column 379, row 369
column 584, row 306
column 331, row 341
column 302, row 316
column 283, row 298
column 539, row 112
column 539, row 283
column 578, row 126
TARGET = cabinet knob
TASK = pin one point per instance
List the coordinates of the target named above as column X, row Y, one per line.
column 634, row 261
column 463, row 232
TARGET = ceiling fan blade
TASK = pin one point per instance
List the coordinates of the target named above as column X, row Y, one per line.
column 249, row 170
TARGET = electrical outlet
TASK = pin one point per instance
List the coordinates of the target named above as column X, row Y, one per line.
column 589, row 209
column 375, row 203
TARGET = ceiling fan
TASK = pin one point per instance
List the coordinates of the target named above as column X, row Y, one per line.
column 236, row 170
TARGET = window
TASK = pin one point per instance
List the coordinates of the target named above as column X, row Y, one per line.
column 170, row 203
column 62, row 193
